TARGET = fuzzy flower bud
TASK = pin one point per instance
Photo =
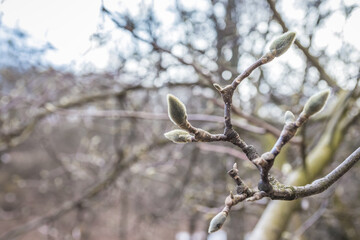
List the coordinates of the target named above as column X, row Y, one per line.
column 316, row 103
column 289, row 117
column 178, row 136
column 283, row 43
column 176, row 110
column 217, row 222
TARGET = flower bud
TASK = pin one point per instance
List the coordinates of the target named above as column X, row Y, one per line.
column 289, row 117
column 217, row 222
column 176, row 110
column 178, row 136
column 283, row 43
column 316, row 103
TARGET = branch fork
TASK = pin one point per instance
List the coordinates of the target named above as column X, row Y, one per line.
column 268, row 186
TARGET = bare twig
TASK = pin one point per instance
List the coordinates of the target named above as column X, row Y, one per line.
column 283, row 192
column 268, row 186
column 258, row 122
column 322, row 184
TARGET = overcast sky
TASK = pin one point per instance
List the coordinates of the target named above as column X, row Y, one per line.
column 66, row 24
column 69, row 24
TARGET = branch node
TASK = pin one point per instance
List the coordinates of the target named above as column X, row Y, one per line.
column 256, row 196
column 218, row 87
column 265, row 186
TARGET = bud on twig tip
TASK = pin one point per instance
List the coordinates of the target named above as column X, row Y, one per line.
column 176, row 110
column 217, row 222
column 281, row 44
column 316, row 103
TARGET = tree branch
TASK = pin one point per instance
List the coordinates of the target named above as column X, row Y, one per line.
column 322, row 184
column 286, row 192
column 258, row 122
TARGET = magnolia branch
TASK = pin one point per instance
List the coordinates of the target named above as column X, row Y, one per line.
column 257, row 122
column 177, row 113
column 280, row 191
column 267, row 186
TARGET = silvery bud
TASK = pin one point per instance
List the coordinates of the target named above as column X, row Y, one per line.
column 217, row 222
column 178, row 136
column 176, row 110
column 283, row 43
column 316, row 102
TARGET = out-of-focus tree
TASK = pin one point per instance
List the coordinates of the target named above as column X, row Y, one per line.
column 84, row 157
column 17, row 49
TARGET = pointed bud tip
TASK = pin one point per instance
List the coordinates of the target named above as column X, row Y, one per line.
column 217, row 222
column 316, row 103
column 289, row 117
column 176, row 110
column 235, row 166
column 281, row 44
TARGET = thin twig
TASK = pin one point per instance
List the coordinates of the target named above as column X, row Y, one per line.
column 284, row 192
column 258, row 122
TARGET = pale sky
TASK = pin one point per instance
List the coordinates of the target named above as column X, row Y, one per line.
column 66, row 24
column 69, row 24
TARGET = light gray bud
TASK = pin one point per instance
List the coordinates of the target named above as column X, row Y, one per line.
column 217, row 222
column 178, row 136
column 176, row 110
column 281, row 44
column 316, row 102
